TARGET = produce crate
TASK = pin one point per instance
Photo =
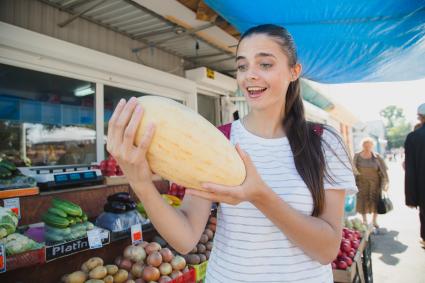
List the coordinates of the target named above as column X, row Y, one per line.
column 188, row 277
column 63, row 249
column 201, row 270
column 26, row 259
column 346, row 276
column 353, row 274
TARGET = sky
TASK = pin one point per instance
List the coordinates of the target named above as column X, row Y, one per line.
column 366, row 100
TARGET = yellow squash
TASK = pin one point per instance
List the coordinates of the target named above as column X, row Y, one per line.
column 186, row 148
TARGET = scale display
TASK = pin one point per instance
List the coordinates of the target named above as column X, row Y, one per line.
column 74, row 177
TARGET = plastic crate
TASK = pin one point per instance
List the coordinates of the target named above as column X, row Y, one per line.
column 201, row 270
column 26, row 259
column 188, row 277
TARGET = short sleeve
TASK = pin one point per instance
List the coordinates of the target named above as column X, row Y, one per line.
column 338, row 164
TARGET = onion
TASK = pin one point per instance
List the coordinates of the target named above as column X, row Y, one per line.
column 154, row 259
column 166, row 254
column 178, row 263
column 151, row 273
column 165, row 268
column 137, row 269
column 138, row 253
column 165, row 279
column 118, row 260
column 152, row 247
column 175, row 274
column 128, row 251
column 126, row 264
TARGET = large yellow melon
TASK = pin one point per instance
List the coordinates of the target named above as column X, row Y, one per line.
column 186, row 148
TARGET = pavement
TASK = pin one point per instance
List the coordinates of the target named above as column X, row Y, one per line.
column 397, row 256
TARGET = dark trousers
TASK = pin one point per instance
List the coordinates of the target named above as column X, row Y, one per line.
column 422, row 219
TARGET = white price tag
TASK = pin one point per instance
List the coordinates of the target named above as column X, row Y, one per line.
column 2, row 258
column 95, row 240
column 136, row 234
column 14, row 205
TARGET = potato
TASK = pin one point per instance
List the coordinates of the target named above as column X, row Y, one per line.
column 212, row 227
column 76, row 277
column 201, row 248
column 194, row 250
column 99, row 272
column 121, row 276
column 111, row 269
column 193, row 259
column 94, row 262
column 209, row 233
column 94, row 281
column 203, row 239
column 85, row 268
column 203, row 257
column 108, row 279
column 209, row 246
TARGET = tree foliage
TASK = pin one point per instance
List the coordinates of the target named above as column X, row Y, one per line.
column 396, row 126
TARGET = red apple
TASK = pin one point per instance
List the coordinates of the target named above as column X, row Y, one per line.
column 342, row 265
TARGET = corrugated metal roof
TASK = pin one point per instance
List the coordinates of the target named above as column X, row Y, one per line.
column 150, row 29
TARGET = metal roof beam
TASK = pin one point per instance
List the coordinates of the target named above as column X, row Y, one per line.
column 74, row 17
column 186, row 33
column 207, row 56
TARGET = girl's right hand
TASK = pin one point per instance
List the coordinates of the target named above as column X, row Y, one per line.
column 122, row 129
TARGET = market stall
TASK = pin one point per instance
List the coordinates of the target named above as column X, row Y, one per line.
column 103, row 208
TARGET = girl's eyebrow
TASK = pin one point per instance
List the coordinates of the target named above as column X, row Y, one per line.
column 261, row 54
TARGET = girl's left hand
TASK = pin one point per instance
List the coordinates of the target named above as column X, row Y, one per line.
column 250, row 190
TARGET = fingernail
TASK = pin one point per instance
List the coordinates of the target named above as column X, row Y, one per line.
column 132, row 99
column 121, row 102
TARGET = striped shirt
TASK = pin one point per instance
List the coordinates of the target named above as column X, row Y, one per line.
column 248, row 247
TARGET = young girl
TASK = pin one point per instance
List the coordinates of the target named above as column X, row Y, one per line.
column 283, row 224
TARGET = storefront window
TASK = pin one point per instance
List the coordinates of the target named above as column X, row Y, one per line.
column 207, row 107
column 46, row 119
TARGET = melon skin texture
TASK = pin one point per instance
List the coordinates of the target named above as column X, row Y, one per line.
column 186, row 148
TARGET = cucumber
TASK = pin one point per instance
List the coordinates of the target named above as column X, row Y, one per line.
column 55, row 221
column 57, row 211
column 8, row 165
column 57, row 231
column 71, row 220
column 4, row 173
column 54, row 238
column 84, row 217
column 67, row 206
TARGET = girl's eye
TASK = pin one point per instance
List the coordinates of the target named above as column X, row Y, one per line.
column 242, row 68
column 266, row 65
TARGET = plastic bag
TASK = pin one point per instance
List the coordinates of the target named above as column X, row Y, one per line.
column 350, row 205
column 119, row 222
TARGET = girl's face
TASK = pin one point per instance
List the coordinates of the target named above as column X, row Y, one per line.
column 263, row 72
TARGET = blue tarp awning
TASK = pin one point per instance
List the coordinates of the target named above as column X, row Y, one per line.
column 341, row 41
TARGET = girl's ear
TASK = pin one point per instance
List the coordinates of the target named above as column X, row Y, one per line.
column 296, row 71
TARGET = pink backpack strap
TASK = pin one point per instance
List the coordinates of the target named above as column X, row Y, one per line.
column 225, row 129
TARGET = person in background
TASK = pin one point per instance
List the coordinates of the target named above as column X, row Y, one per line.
column 414, row 173
column 371, row 179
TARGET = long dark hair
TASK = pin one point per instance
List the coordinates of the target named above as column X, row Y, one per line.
column 305, row 138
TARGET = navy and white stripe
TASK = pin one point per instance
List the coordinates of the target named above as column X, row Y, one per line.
column 248, row 247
